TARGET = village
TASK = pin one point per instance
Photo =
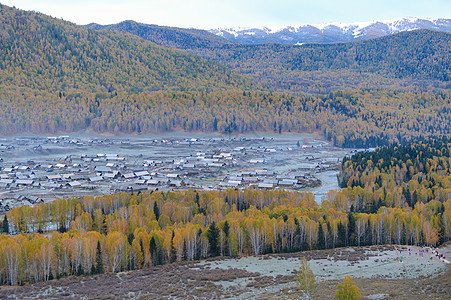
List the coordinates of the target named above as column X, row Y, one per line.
column 64, row 166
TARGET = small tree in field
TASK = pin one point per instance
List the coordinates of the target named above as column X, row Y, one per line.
column 348, row 290
column 306, row 278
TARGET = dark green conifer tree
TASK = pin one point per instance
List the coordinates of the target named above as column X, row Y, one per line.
column 173, row 251
column 321, row 244
column 130, row 238
column 99, row 261
column 153, row 251
column 213, row 235
column 5, row 225
column 156, row 210
column 351, row 229
column 226, row 229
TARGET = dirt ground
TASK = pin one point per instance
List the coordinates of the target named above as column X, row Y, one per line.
column 377, row 270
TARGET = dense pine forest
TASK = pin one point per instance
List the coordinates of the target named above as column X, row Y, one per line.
column 396, row 194
column 418, row 172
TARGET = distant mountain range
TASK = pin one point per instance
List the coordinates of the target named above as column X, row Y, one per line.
column 329, row 33
column 413, row 53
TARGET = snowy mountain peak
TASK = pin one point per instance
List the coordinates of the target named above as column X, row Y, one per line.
column 330, row 32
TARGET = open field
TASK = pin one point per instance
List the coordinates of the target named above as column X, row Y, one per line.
column 378, row 272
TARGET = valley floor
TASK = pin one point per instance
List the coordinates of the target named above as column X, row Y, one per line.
column 387, row 271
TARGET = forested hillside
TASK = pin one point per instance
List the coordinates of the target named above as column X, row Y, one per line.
column 395, row 195
column 415, row 57
column 47, row 54
column 420, row 54
column 350, row 119
column 59, row 77
column 414, row 173
column 396, row 62
column 173, row 37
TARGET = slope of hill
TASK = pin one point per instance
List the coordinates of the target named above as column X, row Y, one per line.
column 44, row 53
column 329, row 33
column 414, row 57
column 418, row 57
column 173, row 37
column 421, row 54
column 59, row 77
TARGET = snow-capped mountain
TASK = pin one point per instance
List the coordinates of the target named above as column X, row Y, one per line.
column 331, row 32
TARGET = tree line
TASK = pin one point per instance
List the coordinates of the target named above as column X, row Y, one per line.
column 118, row 232
column 348, row 118
column 398, row 175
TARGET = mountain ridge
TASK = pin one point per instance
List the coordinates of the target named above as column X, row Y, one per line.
column 274, row 63
column 329, row 32
column 168, row 36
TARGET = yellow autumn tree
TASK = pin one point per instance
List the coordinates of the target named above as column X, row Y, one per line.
column 306, row 278
column 348, row 290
